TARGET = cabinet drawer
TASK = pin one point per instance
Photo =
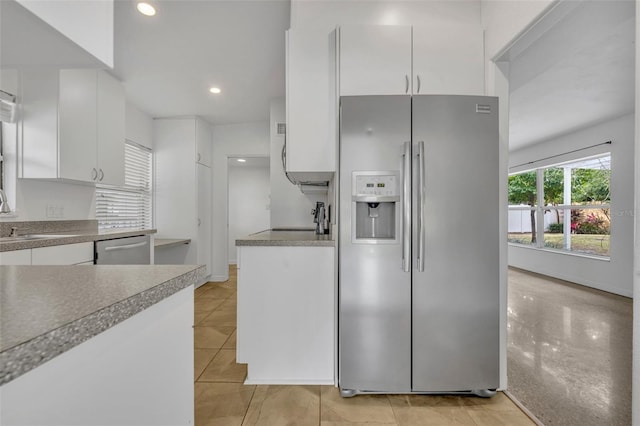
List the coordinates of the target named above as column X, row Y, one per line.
column 16, row 257
column 69, row 254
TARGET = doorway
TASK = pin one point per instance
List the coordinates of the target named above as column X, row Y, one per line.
column 249, row 198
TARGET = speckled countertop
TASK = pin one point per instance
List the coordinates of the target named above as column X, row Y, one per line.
column 70, row 237
column 47, row 310
column 287, row 237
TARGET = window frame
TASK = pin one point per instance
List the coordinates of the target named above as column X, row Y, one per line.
column 139, row 166
column 540, row 208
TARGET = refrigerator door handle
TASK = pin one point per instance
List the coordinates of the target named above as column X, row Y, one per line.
column 406, row 208
column 421, row 231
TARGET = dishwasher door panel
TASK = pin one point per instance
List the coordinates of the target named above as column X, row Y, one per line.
column 124, row 251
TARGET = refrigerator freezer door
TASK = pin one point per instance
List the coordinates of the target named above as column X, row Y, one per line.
column 375, row 291
column 456, row 298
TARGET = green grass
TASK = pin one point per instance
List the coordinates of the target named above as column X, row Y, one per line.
column 582, row 243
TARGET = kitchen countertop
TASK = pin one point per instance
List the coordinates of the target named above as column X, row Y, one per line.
column 287, row 237
column 71, row 237
column 170, row 242
column 47, row 310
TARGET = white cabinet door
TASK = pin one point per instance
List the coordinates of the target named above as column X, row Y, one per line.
column 448, row 58
column 204, row 140
column 286, row 314
column 311, row 101
column 15, row 257
column 375, row 60
column 204, row 216
column 39, row 138
column 72, row 126
column 110, row 130
column 77, row 121
column 68, row 254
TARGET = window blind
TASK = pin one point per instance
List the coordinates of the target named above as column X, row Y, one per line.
column 128, row 206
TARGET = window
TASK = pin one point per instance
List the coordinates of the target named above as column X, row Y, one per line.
column 565, row 206
column 128, row 206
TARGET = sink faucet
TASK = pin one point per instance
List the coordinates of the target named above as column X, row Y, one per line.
column 14, row 231
column 4, row 203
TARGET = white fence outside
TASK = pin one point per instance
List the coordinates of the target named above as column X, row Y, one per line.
column 520, row 220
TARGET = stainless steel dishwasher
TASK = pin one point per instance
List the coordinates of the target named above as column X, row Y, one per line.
column 124, row 251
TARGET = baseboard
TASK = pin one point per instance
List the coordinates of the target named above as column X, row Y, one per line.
column 219, row 278
column 523, row 408
column 249, row 381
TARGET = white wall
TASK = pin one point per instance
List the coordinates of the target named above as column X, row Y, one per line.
column 71, row 201
column 503, row 21
column 230, row 140
column 328, row 14
column 289, row 206
column 248, row 204
column 88, row 24
column 615, row 275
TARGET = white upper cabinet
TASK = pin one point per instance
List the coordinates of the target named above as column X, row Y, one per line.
column 311, row 102
column 72, row 126
column 204, row 140
column 375, row 59
column 77, row 121
column 445, row 58
column 448, row 59
column 111, row 130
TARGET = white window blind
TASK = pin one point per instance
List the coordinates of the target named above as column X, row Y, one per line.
column 128, row 206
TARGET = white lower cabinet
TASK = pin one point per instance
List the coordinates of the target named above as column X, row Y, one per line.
column 139, row 372
column 15, row 257
column 68, row 254
column 286, row 314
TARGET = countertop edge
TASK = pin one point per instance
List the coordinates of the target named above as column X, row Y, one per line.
column 285, row 243
column 25, row 357
column 171, row 242
column 287, row 237
column 72, row 239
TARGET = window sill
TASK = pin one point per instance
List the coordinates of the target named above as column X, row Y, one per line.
column 563, row 252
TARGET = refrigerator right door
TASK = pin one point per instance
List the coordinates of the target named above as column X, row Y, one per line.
column 455, row 288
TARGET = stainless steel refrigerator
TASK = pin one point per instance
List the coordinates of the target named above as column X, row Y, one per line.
column 419, row 245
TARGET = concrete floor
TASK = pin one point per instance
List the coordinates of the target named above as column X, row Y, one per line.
column 569, row 351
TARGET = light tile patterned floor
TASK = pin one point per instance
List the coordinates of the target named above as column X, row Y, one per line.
column 222, row 399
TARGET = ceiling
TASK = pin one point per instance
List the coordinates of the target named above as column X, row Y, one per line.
column 168, row 62
column 578, row 73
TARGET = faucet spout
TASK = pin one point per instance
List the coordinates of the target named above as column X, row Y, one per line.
column 4, row 203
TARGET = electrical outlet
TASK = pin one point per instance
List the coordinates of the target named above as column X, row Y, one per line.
column 54, row 211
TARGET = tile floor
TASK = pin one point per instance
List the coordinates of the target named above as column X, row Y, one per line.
column 222, row 399
column 569, row 351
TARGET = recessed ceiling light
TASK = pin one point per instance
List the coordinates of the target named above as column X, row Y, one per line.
column 146, row 8
column 215, row 90
column 241, row 160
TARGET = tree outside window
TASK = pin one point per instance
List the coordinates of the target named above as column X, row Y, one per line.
column 572, row 213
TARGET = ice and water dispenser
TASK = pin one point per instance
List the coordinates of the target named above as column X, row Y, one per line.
column 375, row 207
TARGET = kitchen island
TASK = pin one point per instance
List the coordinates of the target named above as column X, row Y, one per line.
column 286, row 307
column 97, row 344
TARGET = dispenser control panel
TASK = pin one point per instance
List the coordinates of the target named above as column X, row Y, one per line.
column 380, row 185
